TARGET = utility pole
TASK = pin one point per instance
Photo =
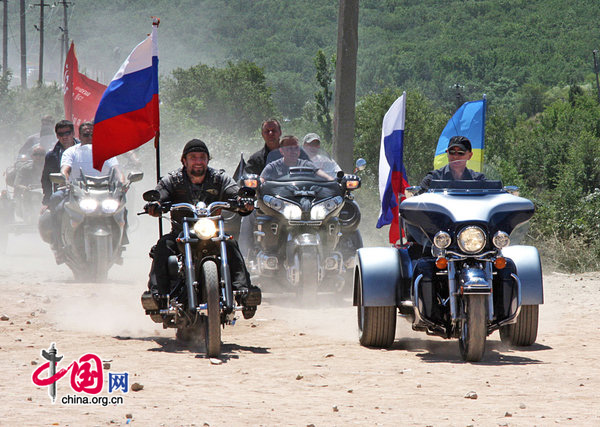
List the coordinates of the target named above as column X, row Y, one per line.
column 42, row 5
column 5, row 39
column 23, row 48
column 345, row 84
column 62, row 61
column 65, row 27
column 595, row 51
column 459, row 97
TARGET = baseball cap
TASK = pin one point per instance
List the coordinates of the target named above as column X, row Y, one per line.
column 310, row 137
column 460, row 141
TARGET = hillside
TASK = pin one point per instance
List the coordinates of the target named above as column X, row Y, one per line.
column 492, row 47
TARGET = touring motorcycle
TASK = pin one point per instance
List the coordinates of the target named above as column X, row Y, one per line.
column 93, row 223
column 201, row 297
column 306, row 232
column 459, row 276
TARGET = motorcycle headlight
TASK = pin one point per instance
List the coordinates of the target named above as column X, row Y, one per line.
column 501, row 239
column 289, row 210
column 471, row 239
column 109, row 206
column 442, row 240
column 205, row 228
column 88, row 205
column 321, row 210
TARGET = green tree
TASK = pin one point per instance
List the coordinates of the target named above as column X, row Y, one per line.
column 233, row 99
column 324, row 94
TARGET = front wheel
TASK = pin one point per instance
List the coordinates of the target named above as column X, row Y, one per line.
column 474, row 328
column 308, row 262
column 524, row 331
column 376, row 325
column 213, row 324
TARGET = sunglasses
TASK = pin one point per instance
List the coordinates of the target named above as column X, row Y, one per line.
column 65, row 133
column 457, row 152
column 87, row 134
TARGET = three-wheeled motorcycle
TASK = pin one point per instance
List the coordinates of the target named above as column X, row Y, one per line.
column 460, row 274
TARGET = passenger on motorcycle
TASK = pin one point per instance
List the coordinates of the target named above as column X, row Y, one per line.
column 290, row 149
column 459, row 152
column 197, row 182
column 66, row 138
column 311, row 144
column 79, row 158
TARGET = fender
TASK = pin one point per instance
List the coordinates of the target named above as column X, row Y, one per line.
column 380, row 272
column 529, row 271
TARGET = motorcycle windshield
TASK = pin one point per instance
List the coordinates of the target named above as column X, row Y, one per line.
column 295, row 189
column 449, row 204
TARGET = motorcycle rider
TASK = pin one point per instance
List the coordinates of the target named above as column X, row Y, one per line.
column 459, row 152
column 30, row 173
column 196, row 182
column 290, row 149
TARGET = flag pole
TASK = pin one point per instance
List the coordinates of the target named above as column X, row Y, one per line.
column 157, row 151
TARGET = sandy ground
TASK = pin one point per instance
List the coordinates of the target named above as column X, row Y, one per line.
column 288, row 365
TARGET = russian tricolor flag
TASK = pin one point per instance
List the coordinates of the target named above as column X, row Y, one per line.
column 392, row 175
column 127, row 116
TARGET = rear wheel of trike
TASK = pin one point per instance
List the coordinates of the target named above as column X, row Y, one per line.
column 524, row 331
column 376, row 325
column 213, row 321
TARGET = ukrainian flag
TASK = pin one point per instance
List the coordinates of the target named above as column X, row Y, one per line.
column 469, row 121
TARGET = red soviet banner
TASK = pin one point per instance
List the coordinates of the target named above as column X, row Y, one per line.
column 81, row 94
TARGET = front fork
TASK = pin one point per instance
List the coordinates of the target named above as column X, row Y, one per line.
column 225, row 273
column 473, row 281
column 190, row 274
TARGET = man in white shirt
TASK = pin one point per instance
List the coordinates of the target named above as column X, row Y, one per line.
column 78, row 158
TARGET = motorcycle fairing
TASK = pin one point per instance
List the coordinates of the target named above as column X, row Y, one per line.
column 384, row 271
column 436, row 211
column 529, row 269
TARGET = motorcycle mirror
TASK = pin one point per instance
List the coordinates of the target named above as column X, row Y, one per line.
column 58, row 178
column 151, row 196
column 412, row 191
column 135, row 176
column 361, row 164
column 512, row 189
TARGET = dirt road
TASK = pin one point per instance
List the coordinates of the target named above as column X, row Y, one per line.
column 287, row 366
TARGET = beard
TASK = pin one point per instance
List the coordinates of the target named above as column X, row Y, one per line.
column 197, row 171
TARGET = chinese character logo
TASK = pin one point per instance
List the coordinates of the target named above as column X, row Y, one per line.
column 86, row 374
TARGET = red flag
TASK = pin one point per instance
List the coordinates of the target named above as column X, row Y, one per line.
column 81, row 94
